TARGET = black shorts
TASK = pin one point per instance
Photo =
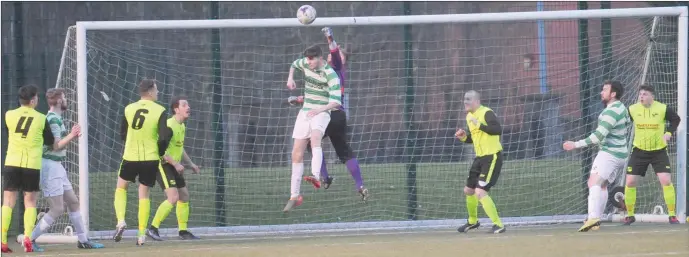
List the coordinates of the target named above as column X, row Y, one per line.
column 640, row 159
column 21, row 179
column 337, row 132
column 485, row 171
column 170, row 177
column 145, row 170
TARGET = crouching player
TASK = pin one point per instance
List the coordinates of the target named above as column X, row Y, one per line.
column 54, row 183
column 322, row 94
column 172, row 179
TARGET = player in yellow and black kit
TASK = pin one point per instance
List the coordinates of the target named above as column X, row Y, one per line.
column 484, row 133
column 172, row 180
column 650, row 147
column 144, row 130
column 28, row 131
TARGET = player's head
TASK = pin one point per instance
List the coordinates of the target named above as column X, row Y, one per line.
column 612, row 91
column 343, row 56
column 180, row 107
column 314, row 56
column 472, row 101
column 56, row 98
column 28, row 96
column 148, row 89
column 646, row 93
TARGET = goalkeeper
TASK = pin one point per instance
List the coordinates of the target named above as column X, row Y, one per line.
column 484, row 133
column 321, row 95
column 611, row 136
column 337, row 128
column 650, row 147
column 54, row 182
column 172, row 179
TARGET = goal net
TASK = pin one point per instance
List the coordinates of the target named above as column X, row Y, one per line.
column 404, row 93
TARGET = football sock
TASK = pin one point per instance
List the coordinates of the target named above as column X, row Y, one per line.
column 297, row 172
column 120, row 204
column 163, row 210
column 42, row 226
column 29, row 220
column 355, row 170
column 182, row 215
column 602, row 201
column 324, row 168
column 491, row 211
column 6, row 219
column 472, row 208
column 78, row 223
column 630, row 200
column 144, row 214
column 669, row 195
column 594, row 199
column 316, row 162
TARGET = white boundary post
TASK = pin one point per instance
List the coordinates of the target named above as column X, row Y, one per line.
column 682, row 28
column 82, row 107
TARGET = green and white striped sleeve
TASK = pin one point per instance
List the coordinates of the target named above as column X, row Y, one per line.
column 299, row 64
column 334, row 89
column 606, row 122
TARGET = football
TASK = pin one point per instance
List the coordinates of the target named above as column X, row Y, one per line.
column 306, row 14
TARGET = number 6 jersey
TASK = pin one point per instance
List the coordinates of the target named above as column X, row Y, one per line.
column 145, row 132
column 27, row 134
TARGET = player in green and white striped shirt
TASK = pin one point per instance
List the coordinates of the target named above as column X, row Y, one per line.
column 321, row 95
column 54, row 183
column 610, row 135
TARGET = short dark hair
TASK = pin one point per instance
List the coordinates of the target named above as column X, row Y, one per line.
column 53, row 94
column 146, row 85
column 616, row 87
column 175, row 102
column 27, row 93
column 648, row 88
column 313, row 51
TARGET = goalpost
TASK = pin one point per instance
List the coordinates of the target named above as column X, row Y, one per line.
column 240, row 122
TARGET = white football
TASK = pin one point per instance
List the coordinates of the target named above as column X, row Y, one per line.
column 306, row 14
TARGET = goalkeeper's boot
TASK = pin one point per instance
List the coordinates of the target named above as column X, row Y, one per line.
column 119, row 230
column 590, row 224
column 314, row 181
column 153, row 233
column 497, row 229
column 629, row 220
column 293, row 202
column 327, row 182
column 141, row 240
column 186, row 235
column 27, row 244
column 364, row 194
column 466, row 227
column 90, row 245
column 673, row 220
column 5, row 248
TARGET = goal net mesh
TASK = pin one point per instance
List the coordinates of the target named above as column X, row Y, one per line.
column 247, row 123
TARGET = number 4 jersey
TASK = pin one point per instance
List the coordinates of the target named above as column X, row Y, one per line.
column 144, row 130
column 26, row 137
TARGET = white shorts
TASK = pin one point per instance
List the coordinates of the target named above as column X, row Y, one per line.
column 304, row 125
column 54, row 180
column 607, row 166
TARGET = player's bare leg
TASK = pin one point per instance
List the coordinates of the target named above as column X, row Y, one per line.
column 316, row 159
column 183, row 215
column 596, row 202
column 297, row 171
column 163, row 211
column 144, row 213
column 9, row 200
column 120, row 208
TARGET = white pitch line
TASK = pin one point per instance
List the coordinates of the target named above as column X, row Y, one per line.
column 644, row 254
column 501, row 237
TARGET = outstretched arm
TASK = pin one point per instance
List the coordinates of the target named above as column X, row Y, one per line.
column 336, row 58
column 605, row 123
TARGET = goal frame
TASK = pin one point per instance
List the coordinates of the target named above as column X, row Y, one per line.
column 82, row 27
